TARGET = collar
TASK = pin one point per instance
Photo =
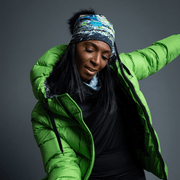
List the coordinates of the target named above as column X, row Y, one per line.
column 93, row 83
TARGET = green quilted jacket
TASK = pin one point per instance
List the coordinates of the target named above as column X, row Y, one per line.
column 75, row 137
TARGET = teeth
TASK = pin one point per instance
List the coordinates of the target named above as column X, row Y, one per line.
column 90, row 69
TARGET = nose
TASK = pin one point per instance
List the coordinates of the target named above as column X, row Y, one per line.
column 96, row 59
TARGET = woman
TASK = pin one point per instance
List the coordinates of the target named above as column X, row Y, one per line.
column 91, row 120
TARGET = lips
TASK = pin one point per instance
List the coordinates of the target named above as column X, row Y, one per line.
column 91, row 69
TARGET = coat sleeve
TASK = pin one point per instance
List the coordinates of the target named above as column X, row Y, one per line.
column 149, row 60
column 56, row 165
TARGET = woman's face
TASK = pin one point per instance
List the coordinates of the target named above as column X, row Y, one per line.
column 91, row 57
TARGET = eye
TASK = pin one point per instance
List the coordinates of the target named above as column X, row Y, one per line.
column 105, row 58
column 88, row 50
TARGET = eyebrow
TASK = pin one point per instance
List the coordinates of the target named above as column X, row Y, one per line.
column 96, row 46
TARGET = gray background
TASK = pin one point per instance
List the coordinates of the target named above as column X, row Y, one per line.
column 29, row 28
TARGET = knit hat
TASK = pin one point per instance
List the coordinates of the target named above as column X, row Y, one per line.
column 94, row 27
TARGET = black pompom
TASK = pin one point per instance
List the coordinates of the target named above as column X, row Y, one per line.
column 73, row 19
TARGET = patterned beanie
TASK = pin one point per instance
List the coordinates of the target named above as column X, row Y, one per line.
column 94, row 27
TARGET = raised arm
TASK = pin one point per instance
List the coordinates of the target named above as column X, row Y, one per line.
column 149, row 60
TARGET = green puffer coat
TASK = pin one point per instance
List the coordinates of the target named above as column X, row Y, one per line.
column 76, row 138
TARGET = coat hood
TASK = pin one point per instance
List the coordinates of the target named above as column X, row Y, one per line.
column 42, row 69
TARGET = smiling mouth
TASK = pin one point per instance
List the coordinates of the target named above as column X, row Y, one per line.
column 92, row 70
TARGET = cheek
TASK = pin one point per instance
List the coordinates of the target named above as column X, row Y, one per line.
column 78, row 60
column 81, row 59
column 103, row 65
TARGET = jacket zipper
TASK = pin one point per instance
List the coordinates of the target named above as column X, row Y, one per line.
column 67, row 111
column 146, row 116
